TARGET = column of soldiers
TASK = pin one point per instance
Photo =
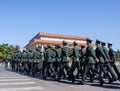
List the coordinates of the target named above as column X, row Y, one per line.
column 63, row 62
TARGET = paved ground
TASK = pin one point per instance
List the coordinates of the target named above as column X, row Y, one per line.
column 12, row 81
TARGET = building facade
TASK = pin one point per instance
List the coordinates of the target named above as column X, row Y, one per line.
column 42, row 39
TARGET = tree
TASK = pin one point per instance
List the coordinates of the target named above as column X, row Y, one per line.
column 6, row 48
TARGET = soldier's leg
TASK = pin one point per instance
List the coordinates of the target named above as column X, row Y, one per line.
column 76, row 66
column 60, row 71
column 70, row 74
column 85, row 70
column 106, row 74
column 112, row 72
column 92, row 72
column 116, row 70
column 102, row 70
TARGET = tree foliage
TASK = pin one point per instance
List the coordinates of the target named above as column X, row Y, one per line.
column 117, row 55
column 6, row 48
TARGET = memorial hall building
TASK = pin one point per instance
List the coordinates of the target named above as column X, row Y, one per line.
column 42, row 39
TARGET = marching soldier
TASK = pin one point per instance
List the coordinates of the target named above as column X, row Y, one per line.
column 82, row 58
column 24, row 60
column 45, row 70
column 102, row 60
column 58, row 54
column 90, row 60
column 112, row 58
column 64, row 61
column 19, row 60
column 16, row 61
column 75, row 61
column 107, row 64
column 30, row 60
column 38, row 61
column 49, row 62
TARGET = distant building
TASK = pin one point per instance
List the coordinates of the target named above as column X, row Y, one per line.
column 42, row 39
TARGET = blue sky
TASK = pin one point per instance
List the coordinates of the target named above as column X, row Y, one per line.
column 20, row 20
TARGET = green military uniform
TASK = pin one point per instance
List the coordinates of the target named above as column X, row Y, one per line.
column 30, row 61
column 8, row 60
column 64, row 60
column 13, row 62
column 45, row 70
column 90, row 61
column 75, row 61
column 107, row 64
column 49, row 62
column 58, row 54
column 16, row 61
column 24, row 60
column 82, row 57
column 102, row 58
column 19, row 60
column 112, row 58
column 38, row 62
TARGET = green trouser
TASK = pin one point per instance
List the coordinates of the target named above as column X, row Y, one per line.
column 73, row 67
column 26, row 66
column 86, row 69
column 64, row 65
column 49, row 69
column 111, row 70
column 29, row 67
column 103, row 71
column 16, row 65
column 37, row 67
column 57, row 65
column 115, row 69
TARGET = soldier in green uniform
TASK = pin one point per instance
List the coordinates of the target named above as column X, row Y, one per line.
column 50, row 61
column 112, row 58
column 45, row 70
column 13, row 62
column 102, row 60
column 16, row 60
column 38, row 61
column 64, row 60
column 82, row 58
column 30, row 61
column 24, row 61
column 75, row 61
column 8, row 60
column 19, row 60
column 91, row 59
column 107, row 64
column 58, row 54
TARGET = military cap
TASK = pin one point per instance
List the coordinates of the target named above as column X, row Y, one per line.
column 37, row 48
column 89, row 40
column 110, row 44
column 64, row 42
column 49, row 45
column 30, row 50
column 82, row 46
column 103, row 43
column 58, row 45
column 98, row 41
column 75, row 43
column 23, row 50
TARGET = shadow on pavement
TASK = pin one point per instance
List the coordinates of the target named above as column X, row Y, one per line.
column 108, row 86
